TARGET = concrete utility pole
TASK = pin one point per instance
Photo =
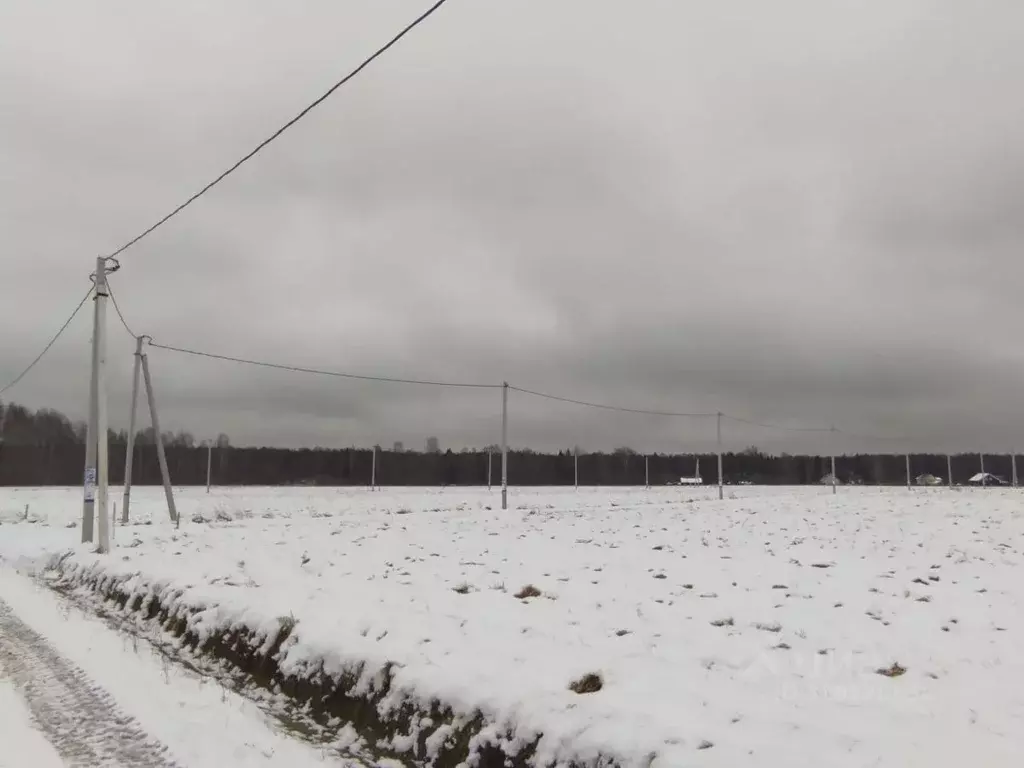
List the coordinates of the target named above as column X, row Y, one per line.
column 209, row 465
column 647, row 472
column 129, row 459
column 1013, row 467
column 721, row 479
column 488, row 469
column 981, row 457
column 504, row 445
column 949, row 471
column 373, row 470
column 833, row 449
column 94, row 505
column 576, row 467
column 159, row 439
column 908, row 471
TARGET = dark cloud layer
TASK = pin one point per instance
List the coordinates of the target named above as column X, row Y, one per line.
column 806, row 212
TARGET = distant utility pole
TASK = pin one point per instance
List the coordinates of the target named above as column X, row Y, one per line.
column 833, row 449
column 949, row 470
column 1013, row 467
column 209, row 465
column 489, row 469
column 504, row 445
column 647, row 472
column 94, row 505
column 373, row 470
column 576, row 467
column 981, row 457
column 721, row 480
column 908, row 471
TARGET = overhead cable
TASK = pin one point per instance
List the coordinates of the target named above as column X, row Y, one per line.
column 606, row 407
column 779, row 427
column 319, row 372
column 306, row 110
column 113, row 300
column 17, row 379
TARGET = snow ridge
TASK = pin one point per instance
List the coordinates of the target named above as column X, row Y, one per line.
column 321, row 700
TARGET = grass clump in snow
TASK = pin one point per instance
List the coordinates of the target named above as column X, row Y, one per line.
column 463, row 589
column 727, row 622
column 589, row 683
column 894, row 671
column 527, row 592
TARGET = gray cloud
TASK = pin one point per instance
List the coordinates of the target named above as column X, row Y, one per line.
column 805, row 213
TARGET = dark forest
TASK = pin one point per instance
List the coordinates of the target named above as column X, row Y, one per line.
column 40, row 448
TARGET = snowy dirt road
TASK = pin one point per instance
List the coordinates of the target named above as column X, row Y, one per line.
column 76, row 716
column 74, row 692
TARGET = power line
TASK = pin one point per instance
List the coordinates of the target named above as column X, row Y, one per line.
column 474, row 385
column 259, row 147
column 318, row 372
column 605, row 407
column 17, row 379
column 858, row 436
column 779, row 427
column 834, row 430
column 113, row 300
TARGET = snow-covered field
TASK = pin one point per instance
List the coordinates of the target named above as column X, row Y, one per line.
column 750, row 631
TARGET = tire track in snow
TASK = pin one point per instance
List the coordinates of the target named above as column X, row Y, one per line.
column 78, row 717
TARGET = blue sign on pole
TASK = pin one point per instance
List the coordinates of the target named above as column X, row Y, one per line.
column 90, row 483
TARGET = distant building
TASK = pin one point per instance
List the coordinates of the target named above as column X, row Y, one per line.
column 695, row 480
column 986, row 478
column 433, row 445
column 398, row 447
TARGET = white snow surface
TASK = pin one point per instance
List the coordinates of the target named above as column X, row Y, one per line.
column 748, row 631
column 20, row 743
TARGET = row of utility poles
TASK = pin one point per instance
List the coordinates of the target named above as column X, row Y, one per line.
column 96, row 485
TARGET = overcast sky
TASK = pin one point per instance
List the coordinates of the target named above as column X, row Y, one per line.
column 803, row 211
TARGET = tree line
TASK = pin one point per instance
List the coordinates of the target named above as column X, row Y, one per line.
column 44, row 447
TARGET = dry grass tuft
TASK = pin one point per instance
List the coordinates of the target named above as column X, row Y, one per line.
column 589, row 683
column 894, row 671
column 527, row 592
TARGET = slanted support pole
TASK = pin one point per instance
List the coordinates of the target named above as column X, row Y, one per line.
column 161, row 455
column 129, row 459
